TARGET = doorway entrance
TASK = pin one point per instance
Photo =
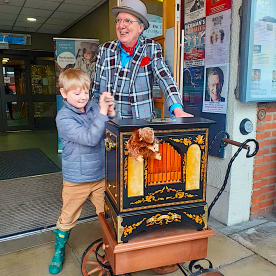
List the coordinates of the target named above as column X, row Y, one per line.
column 27, row 90
column 15, row 110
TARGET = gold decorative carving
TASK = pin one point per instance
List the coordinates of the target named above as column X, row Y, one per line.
column 203, row 161
column 106, row 208
column 129, row 229
column 158, row 219
column 185, row 141
column 184, row 167
column 146, row 173
column 179, row 194
column 125, row 171
column 151, row 196
column 197, row 218
column 205, row 216
column 200, row 139
column 109, row 144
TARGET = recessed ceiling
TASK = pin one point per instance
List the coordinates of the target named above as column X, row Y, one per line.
column 53, row 16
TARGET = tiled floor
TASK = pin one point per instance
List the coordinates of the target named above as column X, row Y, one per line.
column 248, row 249
column 46, row 140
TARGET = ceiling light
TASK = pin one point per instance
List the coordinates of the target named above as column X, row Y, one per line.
column 31, row 19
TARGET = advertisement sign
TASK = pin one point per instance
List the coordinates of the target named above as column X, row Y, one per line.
column 218, row 38
column 216, row 6
column 216, row 88
column 194, row 43
column 194, row 9
column 193, row 86
column 74, row 53
column 20, row 39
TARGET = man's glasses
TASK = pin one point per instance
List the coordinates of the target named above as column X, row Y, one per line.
column 126, row 21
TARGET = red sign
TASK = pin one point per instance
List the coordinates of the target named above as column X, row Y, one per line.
column 216, row 6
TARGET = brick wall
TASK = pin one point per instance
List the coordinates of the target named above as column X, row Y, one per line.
column 264, row 175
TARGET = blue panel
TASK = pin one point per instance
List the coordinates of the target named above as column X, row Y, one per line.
column 59, row 100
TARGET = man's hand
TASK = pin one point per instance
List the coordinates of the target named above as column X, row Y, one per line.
column 178, row 112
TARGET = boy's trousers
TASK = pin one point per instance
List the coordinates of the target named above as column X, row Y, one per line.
column 74, row 196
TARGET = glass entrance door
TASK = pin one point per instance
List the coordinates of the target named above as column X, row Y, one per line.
column 15, row 94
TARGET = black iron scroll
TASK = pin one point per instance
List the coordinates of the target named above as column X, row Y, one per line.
column 224, row 143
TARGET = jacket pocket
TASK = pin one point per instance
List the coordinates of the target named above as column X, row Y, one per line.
column 91, row 164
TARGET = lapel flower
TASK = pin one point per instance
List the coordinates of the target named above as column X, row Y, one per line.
column 145, row 61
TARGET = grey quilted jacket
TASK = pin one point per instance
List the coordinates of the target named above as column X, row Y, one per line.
column 82, row 137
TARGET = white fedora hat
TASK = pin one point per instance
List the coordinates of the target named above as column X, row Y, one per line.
column 135, row 7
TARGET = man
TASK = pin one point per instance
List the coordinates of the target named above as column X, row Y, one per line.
column 215, row 84
column 128, row 66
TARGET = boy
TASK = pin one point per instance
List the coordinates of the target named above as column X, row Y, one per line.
column 81, row 128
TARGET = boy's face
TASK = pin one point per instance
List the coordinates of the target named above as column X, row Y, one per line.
column 88, row 55
column 77, row 97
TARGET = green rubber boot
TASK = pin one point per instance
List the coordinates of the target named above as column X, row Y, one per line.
column 60, row 242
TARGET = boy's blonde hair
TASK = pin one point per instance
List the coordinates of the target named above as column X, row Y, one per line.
column 72, row 79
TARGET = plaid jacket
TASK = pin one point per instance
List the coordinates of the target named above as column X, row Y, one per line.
column 108, row 67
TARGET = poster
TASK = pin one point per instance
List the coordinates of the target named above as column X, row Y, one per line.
column 194, row 43
column 194, row 9
column 215, row 89
column 74, row 53
column 217, row 6
column 218, row 38
column 263, row 73
column 193, row 86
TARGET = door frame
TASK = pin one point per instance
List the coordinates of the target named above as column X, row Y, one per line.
column 16, row 98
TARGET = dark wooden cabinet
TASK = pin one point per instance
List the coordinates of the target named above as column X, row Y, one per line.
column 155, row 193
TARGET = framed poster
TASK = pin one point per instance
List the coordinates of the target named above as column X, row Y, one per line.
column 258, row 52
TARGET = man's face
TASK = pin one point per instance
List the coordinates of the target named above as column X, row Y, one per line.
column 214, row 87
column 128, row 35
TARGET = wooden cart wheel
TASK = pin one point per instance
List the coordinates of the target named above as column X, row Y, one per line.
column 166, row 269
column 89, row 263
column 207, row 272
column 201, row 271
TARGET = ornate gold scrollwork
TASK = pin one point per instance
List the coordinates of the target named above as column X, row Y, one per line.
column 197, row 218
column 109, row 144
column 151, row 196
column 158, row 219
column 128, row 229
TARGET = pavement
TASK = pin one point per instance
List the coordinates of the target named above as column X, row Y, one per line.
column 246, row 249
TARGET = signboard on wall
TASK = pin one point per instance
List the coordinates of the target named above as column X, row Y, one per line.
column 258, row 52
column 10, row 38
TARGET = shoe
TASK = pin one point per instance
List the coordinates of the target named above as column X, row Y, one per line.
column 61, row 239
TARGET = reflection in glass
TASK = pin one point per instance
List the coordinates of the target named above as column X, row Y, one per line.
column 14, row 76
column 44, row 115
column 155, row 18
column 17, row 113
column 43, row 79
